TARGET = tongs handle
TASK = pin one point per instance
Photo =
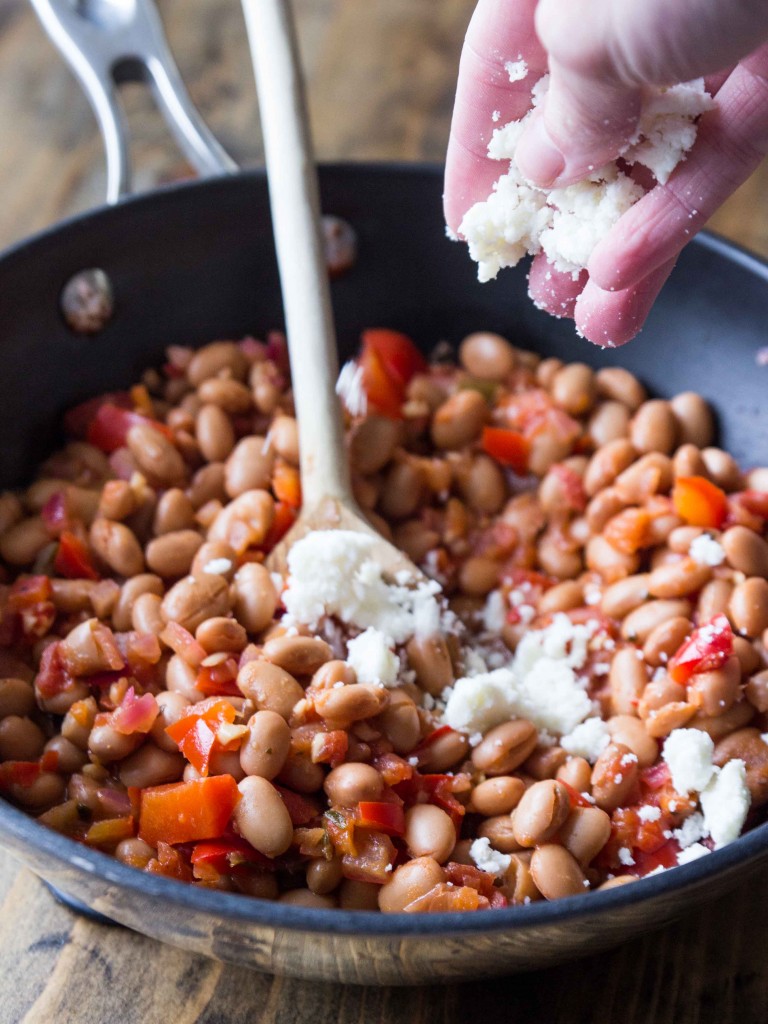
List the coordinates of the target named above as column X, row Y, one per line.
column 107, row 42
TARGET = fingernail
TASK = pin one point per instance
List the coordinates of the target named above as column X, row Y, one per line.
column 538, row 158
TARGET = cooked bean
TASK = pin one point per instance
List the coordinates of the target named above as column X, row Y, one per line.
column 577, row 773
column 155, row 454
column 255, row 597
column 117, row 546
column 265, row 749
column 614, row 776
column 748, row 607
column 262, row 818
column 714, row 692
column 247, row 518
column 106, row 744
column 305, row 898
column 207, row 485
column 301, row 774
column 459, row 420
column 358, row 895
column 21, row 544
column 687, row 461
column 556, row 872
column 16, row 697
column 627, row 679
column 270, row 687
column 172, row 708
column 541, row 811
column 20, row 739
column 679, row 578
column 498, row 795
column 299, row 655
column 213, row 359
column 214, row 432
column 78, row 722
column 499, row 831
column 609, row 422
column 544, row 762
column 746, row 551
column 747, row 746
column 748, row 654
column 172, row 554
column 151, row 766
column 372, row 443
column 146, row 614
column 695, row 423
column 181, row 678
column 505, row 747
column 478, row 575
column 483, row 487
column 651, row 474
column 429, row 832
column 623, row 596
column 430, row 659
column 349, row 783
column 221, row 634
column 756, row 690
column 134, row 852
column 342, row 706
column 215, row 557
column 714, row 599
column 722, row 469
column 574, row 388
column 230, row 395
column 400, row 722
column 196, row 598
column 607, row 463
column 408, row 882
column 621, row 385
column 641, row 622
column 629, row 731
column 46, row 790
column 323, row 876
column 487, row 355
column 174, row 512
column 519, row 886
column 719, row 726
column 665, row 639
column 660, row 691
column 284, row 438
column 612, row 564
column 444, row 752
column 249, row 466
column 585, row 832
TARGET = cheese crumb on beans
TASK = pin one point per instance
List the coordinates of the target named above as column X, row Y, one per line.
column 561, row 702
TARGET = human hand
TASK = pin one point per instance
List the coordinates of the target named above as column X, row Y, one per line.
column 600, row 54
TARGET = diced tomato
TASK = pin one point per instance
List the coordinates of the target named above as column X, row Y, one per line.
column 286, row 484
column 110, row 831
column 18, row 773
column 195, row 733
column 630, row 530
column 170, row 862
column 509, row 447
column 109, row 427
column 219, row 680
column 225, row 856
column 384, row 394
column 664, row 857
column 330, row 747
column 576, row 798
column 373, row 858
column 282, row 521
column 699, row 502
column 184, row 812
column 393, row 768
column 73, row 559
column 533, row 412
column 655, row 777
column 181, row 642
column 78, row 419
column 571, row 486
column 52, row 677
column 29, row 611
column 300, row 808
column 707, row 648
column 384, row 817
column 134, row 714
column 432, row 789
column 339, row 824
column 468, row 874
column 445, row 897
column 399, row 356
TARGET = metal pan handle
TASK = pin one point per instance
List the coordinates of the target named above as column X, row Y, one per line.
column 108, row 42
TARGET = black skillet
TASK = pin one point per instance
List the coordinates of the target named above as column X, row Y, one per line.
column 195, row 262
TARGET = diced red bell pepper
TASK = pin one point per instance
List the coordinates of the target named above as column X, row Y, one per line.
column 393, row 768
column 184, row 812
column 282, row 521
column 330, row 747
column 399, row 356
column 196, row 732
column 508, row 447
column 73, row 559
column 225, row 856
column 384, row 817
column 287, row 485
column 384, row 394
column 630, row 530
column 664, row 857
column 108, row 430
column 707, row 648
column 433, row 789
column 219, row 680
column 468, row 874
column 110, row 831
column 699, row 502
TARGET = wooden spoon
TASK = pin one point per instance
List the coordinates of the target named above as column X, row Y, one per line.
column 328, row 502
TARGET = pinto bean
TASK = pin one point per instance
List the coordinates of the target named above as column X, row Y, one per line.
column 519, row 886
column 117, row 546
column 574, row 388
column 722, row 469
column 651, row 474
column 400, row 722
column 602, row 557
column 230, row 395
column 16, row 697
column 623, row 596
column 221, row 634
column 629, row 731
column 262, row 818
column 430, row 659
column 577, row 773
column 606, row 464
column 619, row 384
column 171, row 555
column 172, row 707
column 429, row 832
column 251, row 512
column 641, row 622
column 214, row 359
column 585, row 832
column 174, row 512
column 342, row 706
column 349, row 783
column 654, row 427
column 542, row 809
column 487, row 355
column 747, row 746
column 284, row 438
column 665, row 639
column 20, row 739
column 714, row 599
column 499, row 831
column 505, row 747
column 207, row 485
column 411, row 880
column 269, row 687
column 267, row 745
column 716, row 691
column 498, row 795
column 299, row 655
column 459, row 420
column 609, row 422
column 249, row 466
column 746, row 551
column 155, row 455
column 196, row 598
column 21, row 544
column 556, row 872
column 748, row 606
column 151, row 766
column 445, row 752
column 627, row 679
column 695, row 424
column 614, row 776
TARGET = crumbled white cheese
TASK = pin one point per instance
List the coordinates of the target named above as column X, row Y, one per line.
column 692, row 853
column 517, row 70
column 331, row 572
column 625, row 856
column 371, row 656
column 494, row 612
column 541, row 684
column 587, row 740
column 691, row 831
column 725, row 802
column 349, row 388
column 217, row 566
column 649, row 813
column 567, row 223
column 488, row 859
column 688, row 752
column 705, row 550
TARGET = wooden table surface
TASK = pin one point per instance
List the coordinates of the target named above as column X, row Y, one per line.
column 381, row 76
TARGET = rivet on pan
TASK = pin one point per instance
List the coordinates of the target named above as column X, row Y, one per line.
column 339, row 244
column 87, row 301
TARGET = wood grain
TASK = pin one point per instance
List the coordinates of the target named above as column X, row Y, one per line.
column 381, row 78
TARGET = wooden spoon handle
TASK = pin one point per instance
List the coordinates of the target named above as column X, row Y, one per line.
column 295, row 204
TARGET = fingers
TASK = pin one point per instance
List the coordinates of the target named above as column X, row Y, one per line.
column 499, row 33
column 554, row 292
column 732, row 141
column 601, row 54
column 610, row 319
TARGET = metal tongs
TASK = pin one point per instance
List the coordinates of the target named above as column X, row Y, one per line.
column 110, row 42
